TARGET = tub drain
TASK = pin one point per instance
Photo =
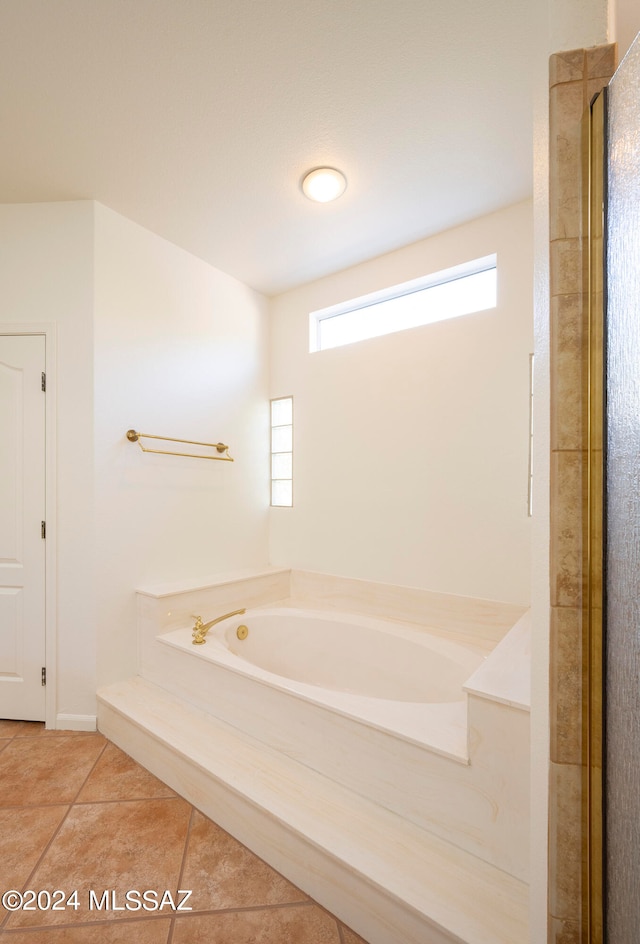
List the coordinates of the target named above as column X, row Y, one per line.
column 242, row 631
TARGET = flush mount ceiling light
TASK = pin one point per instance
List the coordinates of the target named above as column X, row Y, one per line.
column 324, row 184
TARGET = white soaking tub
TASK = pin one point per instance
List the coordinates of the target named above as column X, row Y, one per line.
column 347, row 653
column 365, row 757
column 400, row 680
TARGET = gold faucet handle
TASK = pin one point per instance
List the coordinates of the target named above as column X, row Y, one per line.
column 196, row 632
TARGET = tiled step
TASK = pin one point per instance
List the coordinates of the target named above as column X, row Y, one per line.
column 389, row 880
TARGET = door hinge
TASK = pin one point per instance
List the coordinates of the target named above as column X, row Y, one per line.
column 44, row 382
column 44, row 675
column 43, row 530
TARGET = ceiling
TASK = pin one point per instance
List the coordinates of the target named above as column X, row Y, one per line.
column 198, row 118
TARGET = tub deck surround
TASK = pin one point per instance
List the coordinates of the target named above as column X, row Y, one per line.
column 390, row 881
column 454, row 773
column 471, row 620
column 170, row 606
column 292, row 715
column 253, row 581
column 476, row 620
column 506, row 676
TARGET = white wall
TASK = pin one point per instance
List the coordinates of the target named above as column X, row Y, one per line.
column 411, row 450
column 625, row 24
column 573, row 24
column 46, row 276
column 152, row 338
column 180, row 350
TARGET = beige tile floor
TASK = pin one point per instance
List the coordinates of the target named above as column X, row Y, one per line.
column 76, row 813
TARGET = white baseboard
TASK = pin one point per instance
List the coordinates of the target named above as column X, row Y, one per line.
column 76, row 722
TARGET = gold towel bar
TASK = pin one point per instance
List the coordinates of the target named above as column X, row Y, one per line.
column 133, row 436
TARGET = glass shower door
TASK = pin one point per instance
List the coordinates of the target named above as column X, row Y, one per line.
column 622, row 542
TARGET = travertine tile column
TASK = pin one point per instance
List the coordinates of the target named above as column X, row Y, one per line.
column 575, row 77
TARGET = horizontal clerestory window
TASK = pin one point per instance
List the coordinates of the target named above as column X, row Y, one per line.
column 460, row 290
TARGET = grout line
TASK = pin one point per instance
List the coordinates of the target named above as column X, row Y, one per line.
column 26, row 882
column 159, row 917
column 56, row 732
column 56, row 831
column 128, row 799
column 339, row 924
column 93, row 767
column 113, row 922
column 10, row 737
column 36, row 806
column 182, row 865
column 276, row 906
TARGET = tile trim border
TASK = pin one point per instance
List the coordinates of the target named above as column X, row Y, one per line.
column 575, row 76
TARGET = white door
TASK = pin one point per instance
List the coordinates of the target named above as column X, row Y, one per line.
column 22, row 516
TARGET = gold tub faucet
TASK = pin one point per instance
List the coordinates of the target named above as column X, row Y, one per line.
column 201, row 629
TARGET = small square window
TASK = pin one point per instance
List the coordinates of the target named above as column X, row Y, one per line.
column 282, row 411
column 281, row 465
column 281, row 439
column 282, row 493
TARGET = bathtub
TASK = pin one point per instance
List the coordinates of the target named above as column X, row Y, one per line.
column 375, row 761
column 389, row 676
column 382, row 706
